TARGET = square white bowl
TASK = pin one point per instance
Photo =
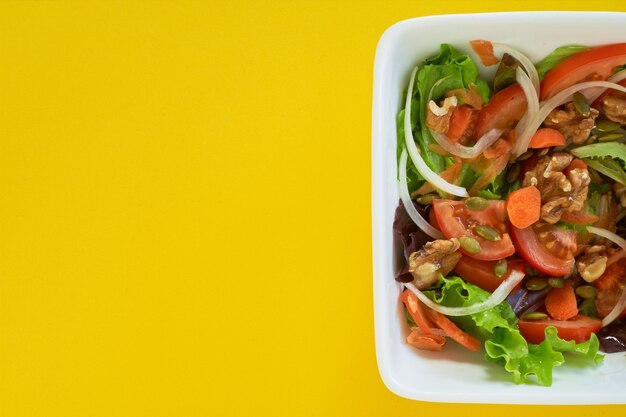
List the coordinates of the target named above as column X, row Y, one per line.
column 458, row 375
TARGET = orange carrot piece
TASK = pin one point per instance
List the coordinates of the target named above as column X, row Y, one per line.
column 484, row 50
column 418, row 339
column 547, row 137
column 416, row 310
column 524, row 207
column 579, row 217
column 460, row 122
column 575, row 164
column 453, row 331
column 561, row 302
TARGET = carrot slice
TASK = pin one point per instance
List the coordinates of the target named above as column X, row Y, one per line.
column 450, row 175
column 484, row 49
column 416, row 310
column 547, row 137
column 579, row 217
column 460, row 122
column 575, row 164
column 561, row 302
column 453, row 331
column 524, row 207
column 418, row 339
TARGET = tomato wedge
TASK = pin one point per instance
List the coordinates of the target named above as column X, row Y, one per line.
column 504, row 109
column 537, row 255
column 578, row 329
column 597, row 63
column 482, row 273
column 456, row 220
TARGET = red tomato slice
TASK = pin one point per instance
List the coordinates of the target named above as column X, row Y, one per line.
column 456, row 220
column 578, row 329
column 505, row 108
column 537, row 255
column 596, row 63
column 482, row 273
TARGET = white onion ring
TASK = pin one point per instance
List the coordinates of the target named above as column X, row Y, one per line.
column 498, row 296
column 548, row 105
column 592, row 94
column 532, row 100
column 414, row 153
column 621, row 242
column 403, row 190
column 524, row 61
column 467, row 152
column 457, row 149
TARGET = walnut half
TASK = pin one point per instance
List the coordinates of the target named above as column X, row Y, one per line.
column 592, row 264
column 436, row 257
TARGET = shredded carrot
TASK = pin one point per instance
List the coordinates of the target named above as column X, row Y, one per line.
column 484, row 49
column 524, row 206
column 561, row 302
column 453, row 331
column 450, row 175
column 499, row 148
column 547, row 137
column 418, row 339
column 416, row 310
column 460, row 122
column 575, row 164
column 579, row 217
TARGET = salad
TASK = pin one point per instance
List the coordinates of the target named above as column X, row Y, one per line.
column 512, row 203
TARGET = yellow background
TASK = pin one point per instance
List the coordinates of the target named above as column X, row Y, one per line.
column 185, row 209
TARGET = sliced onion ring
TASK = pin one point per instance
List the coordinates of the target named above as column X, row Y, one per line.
column 548, row 105
column 414, row 153
column 524, row 61
column 467, row 152
column 532, row 100
column 621, row 242
column 457, row 149
column 592, row 94
column 498, row 296
column 403, row 190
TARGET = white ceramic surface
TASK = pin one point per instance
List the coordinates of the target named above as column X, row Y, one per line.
column 458, row 375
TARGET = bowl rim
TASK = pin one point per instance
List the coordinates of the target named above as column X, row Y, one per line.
column 379, row 240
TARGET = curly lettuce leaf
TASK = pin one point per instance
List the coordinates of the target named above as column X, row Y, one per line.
column 504, row 345
column 603, row 158
column 557, row 56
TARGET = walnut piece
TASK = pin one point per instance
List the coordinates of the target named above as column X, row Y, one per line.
column 572, row 124
column 438, row 118
column 559, row 192
column 592, row 264
column 615, row 108
column 436, row 257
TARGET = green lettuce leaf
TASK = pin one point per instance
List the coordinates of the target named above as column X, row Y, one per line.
column 504, row 345
column 557, row 56
column 457, row 71
column 602, row 157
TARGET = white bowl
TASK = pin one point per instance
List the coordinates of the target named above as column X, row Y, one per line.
column 458, row 375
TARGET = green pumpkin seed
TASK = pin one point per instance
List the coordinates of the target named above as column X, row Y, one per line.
column 581, row 104
column 535, row 315
column 544, row 151
column 607, row 126
column 426, row 199
column 500, row 268
column 611, row 136
column 525, row 156
column 556, row 282
column 592, row 139
column 536, row 284
column 487, row 232
column 470, row 244
column 476, row 203
column 595, row 177
column 586, row 291
column 513, row 173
